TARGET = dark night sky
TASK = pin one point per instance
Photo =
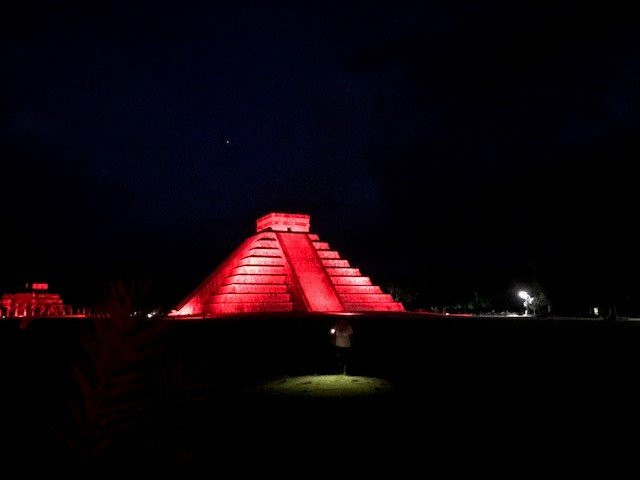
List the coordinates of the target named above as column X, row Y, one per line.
column 439, row 146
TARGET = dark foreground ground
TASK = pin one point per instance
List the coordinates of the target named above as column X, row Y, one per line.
column 190, row 392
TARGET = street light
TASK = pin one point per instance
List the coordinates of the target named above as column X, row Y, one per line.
column 528, row 300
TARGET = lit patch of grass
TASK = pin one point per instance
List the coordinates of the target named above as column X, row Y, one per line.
column 325, row 386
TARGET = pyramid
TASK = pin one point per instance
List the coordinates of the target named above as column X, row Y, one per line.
column 285, row 268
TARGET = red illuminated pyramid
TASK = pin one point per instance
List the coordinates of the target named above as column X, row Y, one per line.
column 284, row 268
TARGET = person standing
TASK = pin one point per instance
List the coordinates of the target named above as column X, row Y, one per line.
column 342, row 333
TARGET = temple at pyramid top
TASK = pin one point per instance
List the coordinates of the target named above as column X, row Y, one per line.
column 284, row 268
column 284, row 222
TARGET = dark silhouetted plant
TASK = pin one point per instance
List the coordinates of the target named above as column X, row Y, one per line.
column 115, row 375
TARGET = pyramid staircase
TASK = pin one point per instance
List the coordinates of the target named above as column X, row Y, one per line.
column 284, row 268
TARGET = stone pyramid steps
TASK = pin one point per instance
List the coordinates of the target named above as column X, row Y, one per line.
column 356, row 292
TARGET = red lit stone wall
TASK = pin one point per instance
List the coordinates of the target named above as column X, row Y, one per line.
column 37, row 302
column 33, row 304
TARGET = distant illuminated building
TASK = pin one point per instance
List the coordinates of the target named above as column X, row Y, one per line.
column 284, row 268
column 36, row 301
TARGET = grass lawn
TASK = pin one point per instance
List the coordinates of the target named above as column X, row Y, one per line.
column 325, row 386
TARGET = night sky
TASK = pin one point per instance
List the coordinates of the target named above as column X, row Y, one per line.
column 442, row 148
